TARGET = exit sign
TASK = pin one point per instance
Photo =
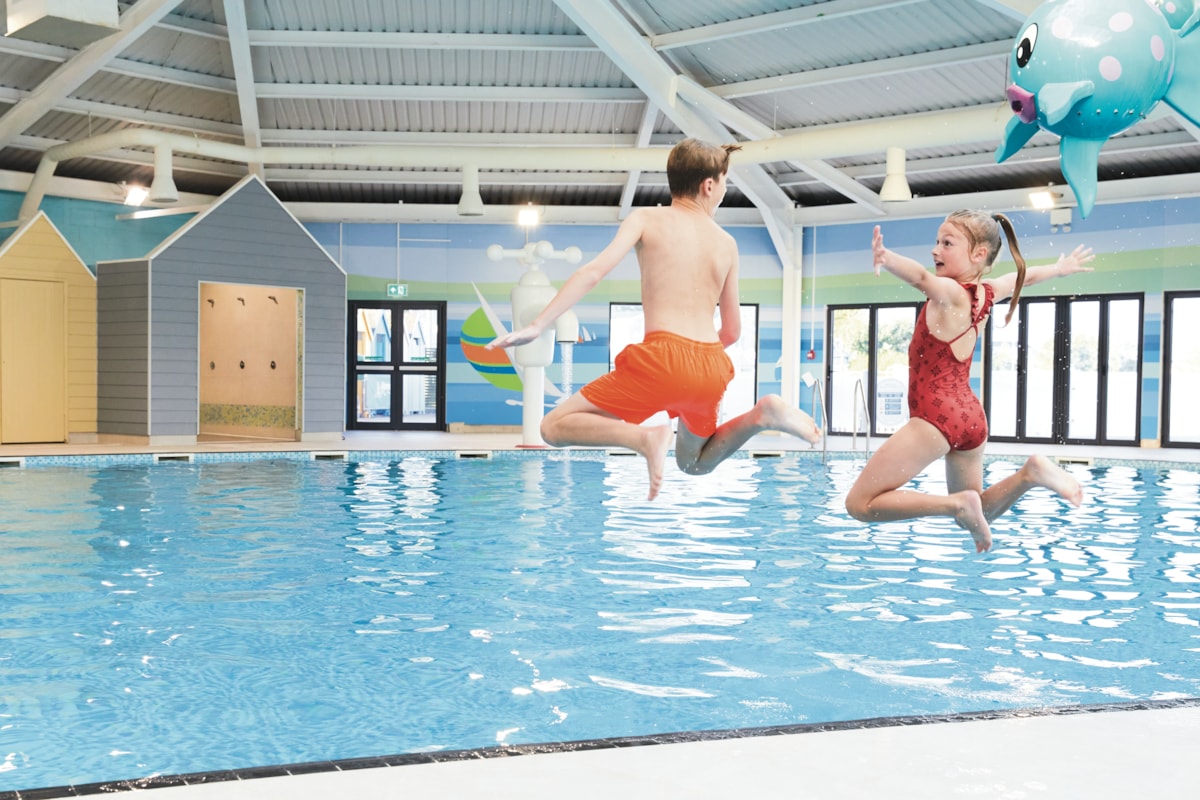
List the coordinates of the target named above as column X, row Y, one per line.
column 397, row 290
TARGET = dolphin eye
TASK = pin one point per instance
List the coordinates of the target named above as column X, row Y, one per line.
column 1025, row 46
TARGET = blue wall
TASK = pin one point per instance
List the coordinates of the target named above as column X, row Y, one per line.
column 93, row 230
column 449, row 262
column 1148, row 247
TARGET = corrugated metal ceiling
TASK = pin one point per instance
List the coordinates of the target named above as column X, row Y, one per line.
column 518, row 74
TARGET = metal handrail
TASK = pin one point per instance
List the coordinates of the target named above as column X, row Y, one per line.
column 819, row 394
column 861, row 392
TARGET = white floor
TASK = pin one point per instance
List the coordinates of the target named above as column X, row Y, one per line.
column 1123, row 754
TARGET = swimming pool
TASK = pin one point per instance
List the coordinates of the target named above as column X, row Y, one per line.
column 175, row 618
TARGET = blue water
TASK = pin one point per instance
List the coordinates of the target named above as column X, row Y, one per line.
column 176, row 618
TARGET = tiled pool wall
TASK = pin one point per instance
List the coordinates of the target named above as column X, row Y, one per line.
column 582, row 454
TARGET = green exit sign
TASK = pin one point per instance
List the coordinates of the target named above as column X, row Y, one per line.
column 397, row 290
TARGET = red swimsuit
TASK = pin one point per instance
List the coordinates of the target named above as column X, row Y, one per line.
column 939, row 385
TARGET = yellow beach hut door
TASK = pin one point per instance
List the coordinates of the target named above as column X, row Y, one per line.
column 33, row 395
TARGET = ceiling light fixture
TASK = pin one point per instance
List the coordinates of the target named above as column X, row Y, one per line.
column 895, row 185
column 162, row 188
column 471, row 203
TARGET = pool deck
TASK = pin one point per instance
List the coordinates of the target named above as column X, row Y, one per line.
column 1114, row 753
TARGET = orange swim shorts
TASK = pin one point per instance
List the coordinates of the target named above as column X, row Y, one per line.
column 666, row 372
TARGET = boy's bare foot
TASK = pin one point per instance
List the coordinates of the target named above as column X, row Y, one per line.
column 1041, row 471
column 775, row 414
column 656, row 441
column 970, row 517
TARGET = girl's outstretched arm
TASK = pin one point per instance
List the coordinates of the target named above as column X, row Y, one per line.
column 912, row 272
column 1069, row 264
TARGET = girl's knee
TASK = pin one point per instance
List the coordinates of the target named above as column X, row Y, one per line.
column 858, row 506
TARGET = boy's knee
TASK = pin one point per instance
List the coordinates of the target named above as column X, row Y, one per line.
column 549, row 431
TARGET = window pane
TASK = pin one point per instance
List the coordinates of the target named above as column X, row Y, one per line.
column 421, row 335
column 1039, row 371
column 1122, row 387
column 849, row 342
column 742, row 391
column 374, row 335
column 420, row 398
column 374, row 398
column 895, row 328
column 1184, row 368
column 1085, row 373
column 1002, row 410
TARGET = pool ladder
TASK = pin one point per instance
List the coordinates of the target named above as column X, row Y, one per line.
column 818, row 395
column 860, row 393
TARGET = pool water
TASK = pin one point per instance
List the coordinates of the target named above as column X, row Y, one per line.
column 174, row 618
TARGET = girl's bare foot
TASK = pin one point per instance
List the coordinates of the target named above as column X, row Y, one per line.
column 970, row 517
column 1041, row 471
column 656, row 441
column 777, row 415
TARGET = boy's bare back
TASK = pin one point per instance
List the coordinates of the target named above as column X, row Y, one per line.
column 687, row 262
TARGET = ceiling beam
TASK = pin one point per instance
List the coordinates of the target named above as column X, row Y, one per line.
column 634, row 178
column 612, row 32
column 120, row 66
column 71, row 75
column 751, row 128
column 499, row 94
column 817, row 12
column 1017, row 9
column 132, row 116
column 243, row 76
column 393, row 40
column 934, row 59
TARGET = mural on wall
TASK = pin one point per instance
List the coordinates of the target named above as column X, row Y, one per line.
column 494, row 365
column 1087, row 70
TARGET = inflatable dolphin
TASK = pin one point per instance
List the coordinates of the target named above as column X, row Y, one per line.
column 1086, row 70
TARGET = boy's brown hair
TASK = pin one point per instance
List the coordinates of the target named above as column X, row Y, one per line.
column 692, row 161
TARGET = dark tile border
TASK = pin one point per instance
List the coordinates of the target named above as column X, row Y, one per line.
column 504, row 751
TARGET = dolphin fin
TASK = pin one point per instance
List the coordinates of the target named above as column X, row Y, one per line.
column 1056, row 100
column 1016, row 134
column 1183, row 92
column 1191, row 24
column 1080, row 160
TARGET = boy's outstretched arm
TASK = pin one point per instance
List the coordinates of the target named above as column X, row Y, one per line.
column 582, row 281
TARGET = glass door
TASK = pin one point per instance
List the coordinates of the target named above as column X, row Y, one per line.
column 397, row 375
column 867, row 370
column 1067, row 370
column 1181, row 369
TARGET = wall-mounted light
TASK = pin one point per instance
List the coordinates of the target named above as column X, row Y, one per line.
column 1044, row 199
column 135, row 195
column 895, row 187
column 527, row 217
column 471, row 203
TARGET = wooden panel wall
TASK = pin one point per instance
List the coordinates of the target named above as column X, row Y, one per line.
column 249, row 238
column 39, row 252
column 123, row 370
